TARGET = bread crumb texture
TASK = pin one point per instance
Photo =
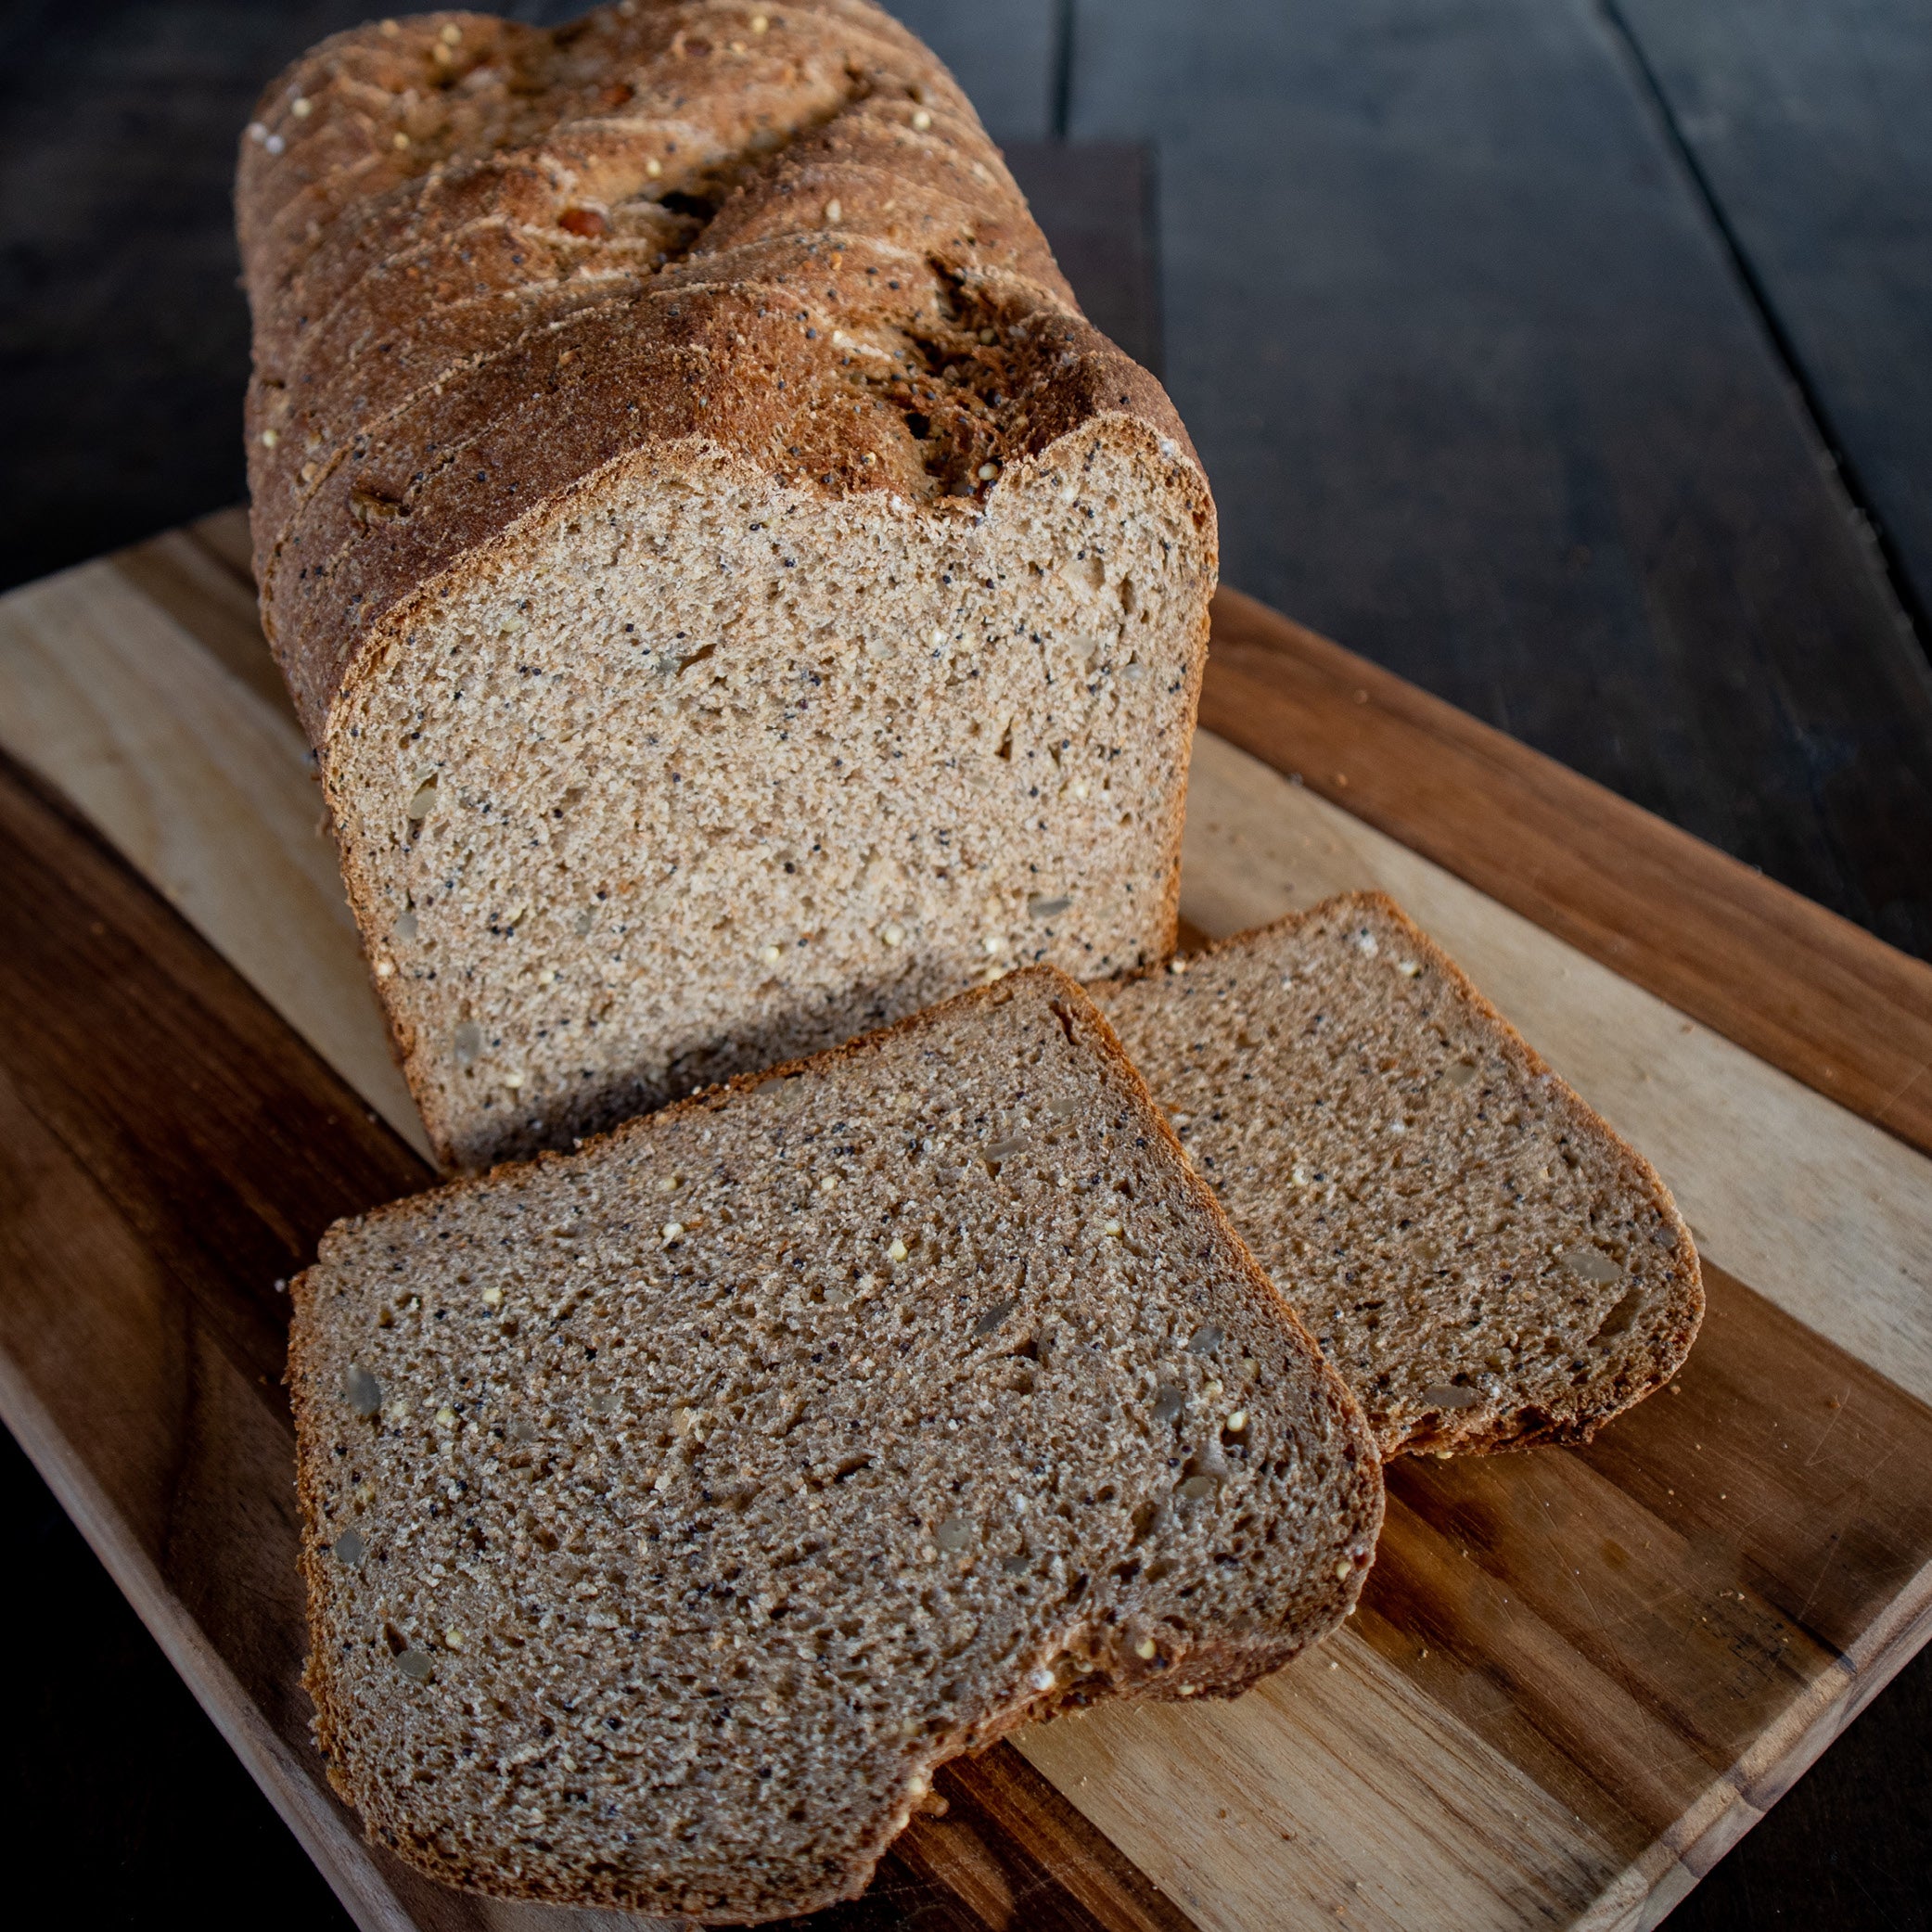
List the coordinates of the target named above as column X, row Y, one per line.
column 1477, row 1252
column 674, row 1507
column 736, row 597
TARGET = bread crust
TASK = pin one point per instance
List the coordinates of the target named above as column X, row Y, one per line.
column 1221, row 1668
column 842, row 183
column 1681, row 1313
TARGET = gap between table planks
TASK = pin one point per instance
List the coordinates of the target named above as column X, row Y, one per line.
column 1576, row 1677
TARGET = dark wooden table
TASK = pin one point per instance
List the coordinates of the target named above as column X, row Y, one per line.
column 1573, row 360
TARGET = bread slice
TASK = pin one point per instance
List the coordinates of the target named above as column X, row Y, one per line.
column 1484, row 1259
column 673, row 1507
column 733, row 595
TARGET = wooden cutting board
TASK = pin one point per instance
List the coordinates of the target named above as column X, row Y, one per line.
column 1576, row 1677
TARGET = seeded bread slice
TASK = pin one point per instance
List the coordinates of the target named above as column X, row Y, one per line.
column 1484, row 1259
column 673, row 1507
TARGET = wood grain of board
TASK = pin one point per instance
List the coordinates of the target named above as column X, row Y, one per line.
column 187, row 756
column 1576, row 1676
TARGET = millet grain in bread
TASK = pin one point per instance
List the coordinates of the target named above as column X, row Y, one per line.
column 674, row 1507
column 733, row 595
column 1485, row 1261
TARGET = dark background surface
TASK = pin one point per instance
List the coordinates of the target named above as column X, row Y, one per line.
column 1572, row 359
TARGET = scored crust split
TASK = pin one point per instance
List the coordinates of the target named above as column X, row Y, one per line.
column 673, row 1508
column 735, row 596
column 1487, row 1262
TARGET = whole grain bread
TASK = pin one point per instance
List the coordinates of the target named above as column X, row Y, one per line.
column 674, row 1507
column 735, row 596
column 1487, row 1262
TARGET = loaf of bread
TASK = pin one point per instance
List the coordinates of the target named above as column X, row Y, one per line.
column 733, row 595
column 1481, row 1256
column 674, row 1507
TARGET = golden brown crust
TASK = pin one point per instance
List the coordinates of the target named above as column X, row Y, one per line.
column 1606, row 1396
column 1212, row 1667
column 642, row 230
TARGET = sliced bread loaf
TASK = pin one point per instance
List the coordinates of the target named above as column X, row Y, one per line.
column 735, row 597
column 1481, row 1256
column 673, row 1507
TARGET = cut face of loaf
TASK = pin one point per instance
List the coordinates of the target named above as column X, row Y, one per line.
column 703, row 773
column 674, row 1507
column 1484, row 1260
column 735, row 596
